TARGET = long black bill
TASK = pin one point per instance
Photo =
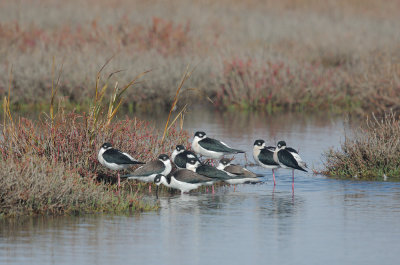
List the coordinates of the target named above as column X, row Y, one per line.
column 157, row 192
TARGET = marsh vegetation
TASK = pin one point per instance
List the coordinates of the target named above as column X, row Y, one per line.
column 371, row 151
column 286, row 56
column 291, row 55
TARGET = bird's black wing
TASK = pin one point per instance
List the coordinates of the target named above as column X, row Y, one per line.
column 212, row 172
column 291, row 150
column 286, row 158
column 266, row 157
column 217, row 146
column 180, row 160
column 188, row 176
column 118, row 157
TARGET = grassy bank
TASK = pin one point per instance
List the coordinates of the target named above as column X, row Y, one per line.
column 291, row 55
column 372, row 152
column 49, row 164
column 52, row 168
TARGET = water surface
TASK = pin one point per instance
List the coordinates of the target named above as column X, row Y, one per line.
column 327, row 221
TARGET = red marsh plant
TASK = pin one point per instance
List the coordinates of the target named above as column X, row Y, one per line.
column 49, row 165
column 164, row 36
column 371, row 152
column 378, row 85
column 249, row 84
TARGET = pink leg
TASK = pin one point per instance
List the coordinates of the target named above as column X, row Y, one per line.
column 206, row 189
column 149, row 187
column 293, row 180
column 273, row 175
column 234, row 188
column 273, row 192
column 212, row 189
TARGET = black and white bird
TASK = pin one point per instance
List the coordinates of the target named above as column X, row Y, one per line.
column 115, row 159
column 212, row 148
column 208, row 171
column 264, row 156
column 241, row 175
column 180, row 156
column 149, row 171
column 289, row 158
column 182, row 179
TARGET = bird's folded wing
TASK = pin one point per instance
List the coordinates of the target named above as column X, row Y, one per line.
column 117, row 157
column 212, row 172
column 153, row 167
column 267, row 157
column 239, row 171
column 286, row 158
column 291, row 150
column 190, row 176
column 215, row 145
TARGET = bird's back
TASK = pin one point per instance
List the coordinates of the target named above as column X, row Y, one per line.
column 188, row 176
column 153, row 167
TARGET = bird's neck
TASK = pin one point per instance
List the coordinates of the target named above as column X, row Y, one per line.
column 168, row 165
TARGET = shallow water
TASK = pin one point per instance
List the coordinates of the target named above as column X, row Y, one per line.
column 327, row 221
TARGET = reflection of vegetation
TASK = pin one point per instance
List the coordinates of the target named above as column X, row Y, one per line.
column 304, row 59
column 372, row 153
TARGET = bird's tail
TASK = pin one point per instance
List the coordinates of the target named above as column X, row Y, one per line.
column 129, row 176
column 302, row 169
column 238, row 151
column 303, row 164
column 138, row 163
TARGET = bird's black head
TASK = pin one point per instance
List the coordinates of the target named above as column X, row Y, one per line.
column 259, row 142
column 200, row 134
column 157, row 179
column 225, row 161
column 163, row 157
column 106, row 146
column 180, row 147
column 281, row 144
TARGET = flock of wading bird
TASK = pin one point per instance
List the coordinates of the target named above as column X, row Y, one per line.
column 190, row 173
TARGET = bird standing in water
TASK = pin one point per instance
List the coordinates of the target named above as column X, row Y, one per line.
column 212, row 148
column 289, row 158
column 264, row 156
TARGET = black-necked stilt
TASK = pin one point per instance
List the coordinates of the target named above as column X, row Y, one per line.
column 180, row 156
column 182, row 179
column 209, row 147
column 115, row 159
column 147, row 172
column 208, row 171
column 264, row 156
column 288, row 158
column 242, row 175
